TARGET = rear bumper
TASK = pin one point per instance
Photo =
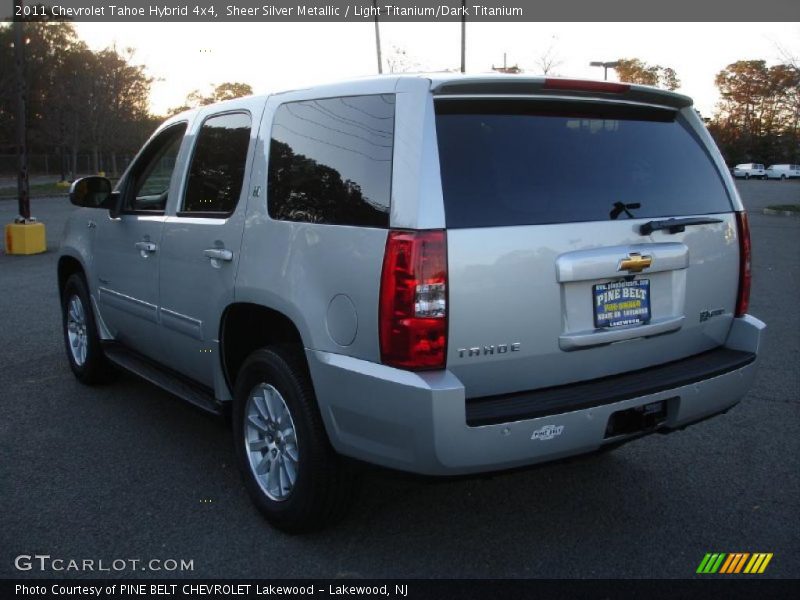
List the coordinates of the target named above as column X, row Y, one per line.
column 418, row 422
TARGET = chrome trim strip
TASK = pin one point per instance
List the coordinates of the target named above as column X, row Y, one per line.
column 182, row 323
column 604, row 262
column 596, row 337
column 128, row 304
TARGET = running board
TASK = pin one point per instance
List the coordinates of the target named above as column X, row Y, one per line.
column 165, row 378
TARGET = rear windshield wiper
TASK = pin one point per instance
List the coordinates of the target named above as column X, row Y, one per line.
column 675, row 225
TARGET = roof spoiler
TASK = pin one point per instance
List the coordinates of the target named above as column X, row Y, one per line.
column 553, row 86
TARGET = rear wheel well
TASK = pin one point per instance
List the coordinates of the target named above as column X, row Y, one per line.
column 248, row 327
column 67, row 266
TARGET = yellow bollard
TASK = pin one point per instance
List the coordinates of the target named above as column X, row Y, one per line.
column 25, row 238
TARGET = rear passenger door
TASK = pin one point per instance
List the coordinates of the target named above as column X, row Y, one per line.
column 202, row 239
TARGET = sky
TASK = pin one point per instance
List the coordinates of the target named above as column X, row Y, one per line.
column 275, row 57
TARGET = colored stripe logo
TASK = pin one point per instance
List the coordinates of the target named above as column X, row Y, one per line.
column 733, row 563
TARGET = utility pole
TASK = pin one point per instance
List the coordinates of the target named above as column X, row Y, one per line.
column 463, row 36
column 23, row 188
column 377, row 37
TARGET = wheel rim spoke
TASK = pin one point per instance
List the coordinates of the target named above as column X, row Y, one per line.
column 283, row 478
column 273, row 406
column 291, row 469
column 258, row 445
column 291, row 452
column 261, row 406
column 272, row 477
column 263, row 466
column 254, row 421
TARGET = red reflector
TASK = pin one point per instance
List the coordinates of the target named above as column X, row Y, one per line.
column 413, row 301
column 579, row 85
column 743, row 297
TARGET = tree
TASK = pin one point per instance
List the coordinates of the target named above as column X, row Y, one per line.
column 76, row 97
column 117, row 96
column 398, row 60
column 47, row 50
column 218, row 93
column 549, row 60
column 633, row 70
column 758, row 116
column 229, row 91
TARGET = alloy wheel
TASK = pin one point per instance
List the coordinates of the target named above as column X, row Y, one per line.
column 271, row 442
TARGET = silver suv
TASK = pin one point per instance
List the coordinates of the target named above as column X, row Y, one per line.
column 441, row 275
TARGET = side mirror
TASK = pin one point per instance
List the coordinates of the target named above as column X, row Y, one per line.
column 91, row 192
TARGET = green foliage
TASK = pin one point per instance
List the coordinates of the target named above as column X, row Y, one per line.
column 218, row 93
column 77, row 99
column 633, row 70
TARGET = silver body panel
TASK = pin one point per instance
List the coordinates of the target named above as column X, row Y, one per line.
column 526, row 285
column 415, row 422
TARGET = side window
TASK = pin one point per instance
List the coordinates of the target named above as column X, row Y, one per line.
column 330, row 161
column 216, row 174
column 148, row 179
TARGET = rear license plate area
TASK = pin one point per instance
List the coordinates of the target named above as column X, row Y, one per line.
column 621, row 303
column 638, row 419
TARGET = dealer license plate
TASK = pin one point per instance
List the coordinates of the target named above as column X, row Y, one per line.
column 621, row 303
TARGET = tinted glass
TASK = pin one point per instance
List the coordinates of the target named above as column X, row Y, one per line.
column 152, row 172
column 217, row 171
column 525, row 163
column 331, row 161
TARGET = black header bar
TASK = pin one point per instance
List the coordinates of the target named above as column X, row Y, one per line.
column 404, row 10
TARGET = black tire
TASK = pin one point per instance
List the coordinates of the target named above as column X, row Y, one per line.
column 94, row 368
column 746, row 176
column 324, row 483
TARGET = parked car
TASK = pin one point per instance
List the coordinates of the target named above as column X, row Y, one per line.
column 441, row 275
column 748, row 170
column 783, row 172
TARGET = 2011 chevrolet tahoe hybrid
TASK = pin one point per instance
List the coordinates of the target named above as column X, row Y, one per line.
column 441, row 275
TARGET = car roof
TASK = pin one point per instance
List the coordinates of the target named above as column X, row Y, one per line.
column 447, row 83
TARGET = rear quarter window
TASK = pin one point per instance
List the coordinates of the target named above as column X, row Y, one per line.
column 330, row 161
column 525, row 163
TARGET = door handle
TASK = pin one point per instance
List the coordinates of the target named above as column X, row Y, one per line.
column 218, row 254
column 145, row 248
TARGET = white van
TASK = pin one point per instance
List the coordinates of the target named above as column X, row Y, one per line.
column 748, row 170
column 783, row 172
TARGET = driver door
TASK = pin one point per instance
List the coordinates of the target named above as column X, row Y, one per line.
column 127, row 246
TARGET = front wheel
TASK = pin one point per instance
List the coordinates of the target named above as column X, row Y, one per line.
column 289, row 467
column 82, row 342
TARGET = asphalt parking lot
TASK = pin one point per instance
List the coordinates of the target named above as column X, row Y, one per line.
column 128, row 471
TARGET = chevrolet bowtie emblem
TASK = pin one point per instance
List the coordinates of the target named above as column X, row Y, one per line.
column 635, row 263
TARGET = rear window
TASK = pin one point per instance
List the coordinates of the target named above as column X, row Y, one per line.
column 526, row 163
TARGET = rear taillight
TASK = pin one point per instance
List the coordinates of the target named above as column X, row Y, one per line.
column 579, row 85
column 743, row 297
column 413, row 302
